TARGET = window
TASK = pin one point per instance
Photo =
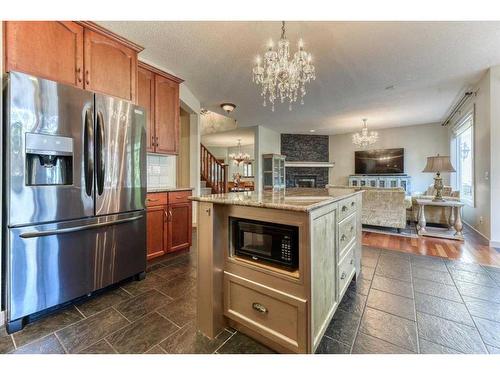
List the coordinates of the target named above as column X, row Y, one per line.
column 247, row 169
column 464, row 157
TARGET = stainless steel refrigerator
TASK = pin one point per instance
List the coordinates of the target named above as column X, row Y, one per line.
column 74, row 191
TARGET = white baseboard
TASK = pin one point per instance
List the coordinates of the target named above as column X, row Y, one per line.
column 495, row 243
column 478, row 232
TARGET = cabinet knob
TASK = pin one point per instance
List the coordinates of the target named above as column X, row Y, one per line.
column 343, row 276
column 79, row 74
column 344, row 208
column 352, row 261
column 87, row 77
column 260, row 308
column 343, row 237
column 353, row 204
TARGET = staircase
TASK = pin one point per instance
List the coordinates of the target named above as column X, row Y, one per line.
column 213, row 173
column 204, row 190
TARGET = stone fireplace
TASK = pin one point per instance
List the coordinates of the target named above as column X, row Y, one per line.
column 305, row 148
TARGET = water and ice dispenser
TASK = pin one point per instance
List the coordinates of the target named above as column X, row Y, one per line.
column 49, row 160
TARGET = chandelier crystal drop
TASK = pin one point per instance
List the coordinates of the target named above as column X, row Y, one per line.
column 364, row 138
column 240, row 157
column 282, row 77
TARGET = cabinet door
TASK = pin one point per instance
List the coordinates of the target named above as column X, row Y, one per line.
column 145, row 98
column 166, row 115
column 110, row 67
column 179, row 228
column 155, row 227
column 47, row 49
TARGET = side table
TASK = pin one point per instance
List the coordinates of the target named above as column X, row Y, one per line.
column 454, row 220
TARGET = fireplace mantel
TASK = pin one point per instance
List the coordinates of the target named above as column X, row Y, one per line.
column 309, row 164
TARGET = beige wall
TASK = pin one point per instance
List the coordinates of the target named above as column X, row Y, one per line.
column 479, row 216
column 183, row 159
column 419, row 141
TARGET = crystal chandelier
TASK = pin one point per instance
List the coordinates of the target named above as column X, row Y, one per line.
column 364, row 138
column 240, row 157
column 282, row 77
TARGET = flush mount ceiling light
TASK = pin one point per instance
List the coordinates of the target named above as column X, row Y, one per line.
column 228, row 107
column 364, row 138
column 282, row 77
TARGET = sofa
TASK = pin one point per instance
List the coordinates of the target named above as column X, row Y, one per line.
column 433, row 214
column 384, row 207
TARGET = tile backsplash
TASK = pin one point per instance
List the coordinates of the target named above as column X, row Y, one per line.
column 161, row 171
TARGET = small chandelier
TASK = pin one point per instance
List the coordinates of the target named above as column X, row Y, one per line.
column 281, row 77
column 240, row 157
column 364, row 138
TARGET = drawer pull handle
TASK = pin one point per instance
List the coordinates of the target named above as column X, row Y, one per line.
column 152, row 200
column 260, row 308
column 344, row 208
column 343, row 276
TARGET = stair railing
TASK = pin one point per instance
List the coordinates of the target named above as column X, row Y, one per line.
column 213, row 171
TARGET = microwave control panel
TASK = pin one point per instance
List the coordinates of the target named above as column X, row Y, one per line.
column 286, row 249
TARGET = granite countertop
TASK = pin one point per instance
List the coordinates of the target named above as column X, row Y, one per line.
column 167, row 189
column 297, row 199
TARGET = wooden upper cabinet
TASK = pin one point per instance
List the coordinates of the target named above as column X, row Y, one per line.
column 145, row 98
column 167, row 112
column 47, row 49
column 110, row 66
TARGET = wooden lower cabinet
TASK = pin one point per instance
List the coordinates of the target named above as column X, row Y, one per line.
column 156, row 231
column 169, row 223
column 180, row 233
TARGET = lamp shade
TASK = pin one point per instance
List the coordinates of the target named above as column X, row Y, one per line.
column 438, row 164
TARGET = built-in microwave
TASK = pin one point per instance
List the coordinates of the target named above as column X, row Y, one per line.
column 275, row 243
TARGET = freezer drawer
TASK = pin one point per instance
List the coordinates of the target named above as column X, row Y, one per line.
column 55, row 263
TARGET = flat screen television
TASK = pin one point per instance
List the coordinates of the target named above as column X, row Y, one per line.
column 388, row 161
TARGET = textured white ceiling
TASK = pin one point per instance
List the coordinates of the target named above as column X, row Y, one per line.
column 428, row 63
column 230, row 138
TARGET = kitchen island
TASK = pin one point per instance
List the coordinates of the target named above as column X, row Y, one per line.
column 287, row 309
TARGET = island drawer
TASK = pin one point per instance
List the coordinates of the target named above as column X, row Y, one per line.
column 347, row 234
column 346, row 270
column 347, row 207
column 156, row 199
column 275, row 315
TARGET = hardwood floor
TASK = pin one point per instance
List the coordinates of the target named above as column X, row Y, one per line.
column 474, row 249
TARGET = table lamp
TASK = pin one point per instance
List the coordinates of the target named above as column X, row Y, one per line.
column 438, row 164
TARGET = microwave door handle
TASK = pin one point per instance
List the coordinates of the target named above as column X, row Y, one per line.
column 88, row 151
column 99, row 153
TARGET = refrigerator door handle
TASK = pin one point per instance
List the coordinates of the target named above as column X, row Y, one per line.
column 100, row 153
column 78, row 228
column 88, row 151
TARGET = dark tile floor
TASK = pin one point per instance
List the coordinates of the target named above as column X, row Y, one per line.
column 400, row 304
column 417, row 304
